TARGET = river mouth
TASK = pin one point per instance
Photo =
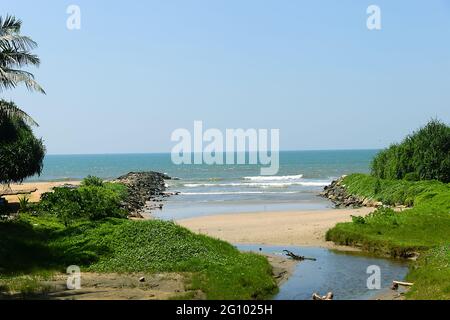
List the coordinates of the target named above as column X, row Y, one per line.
column 343, row 273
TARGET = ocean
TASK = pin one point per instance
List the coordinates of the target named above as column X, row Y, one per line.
column 217, row 189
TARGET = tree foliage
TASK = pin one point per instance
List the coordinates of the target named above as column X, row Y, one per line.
column 423, row 155
column 21, row 153
column 11, row 110
column 15, row 54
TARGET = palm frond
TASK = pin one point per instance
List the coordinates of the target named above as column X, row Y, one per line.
column 10, row 78
column 15, row 54
column 11, row 110
column 17, row 41
column 13, row 58
column 10, row 24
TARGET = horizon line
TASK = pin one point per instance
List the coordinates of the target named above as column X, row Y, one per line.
column 160, row 153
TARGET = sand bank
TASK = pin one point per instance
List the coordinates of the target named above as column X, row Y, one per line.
column 301, row 228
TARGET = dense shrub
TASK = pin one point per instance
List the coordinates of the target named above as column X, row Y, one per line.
column 92, row 181
column 423, row 155
column 21, row 153
column 90, row 201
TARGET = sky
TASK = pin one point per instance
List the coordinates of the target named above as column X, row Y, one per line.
column 138, row 70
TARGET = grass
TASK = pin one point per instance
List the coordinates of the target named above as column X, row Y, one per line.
column 34, row 244
column 424, row 228
column 399, row 192
column 24, row 285
column 431, row 275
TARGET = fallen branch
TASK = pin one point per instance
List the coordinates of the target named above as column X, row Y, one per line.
column 329, row 296
column 297, row 257
column 396, row 284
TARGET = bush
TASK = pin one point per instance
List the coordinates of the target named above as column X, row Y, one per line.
column 24, row 203
column 411, row 176
column 90, row 181
column 423, row 155
column 99, row 202
column 89, row 201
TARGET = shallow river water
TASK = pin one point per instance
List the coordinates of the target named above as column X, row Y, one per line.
column 345, row 274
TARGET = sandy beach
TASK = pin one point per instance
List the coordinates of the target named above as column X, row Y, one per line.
column 42, row 187
column 303, row 228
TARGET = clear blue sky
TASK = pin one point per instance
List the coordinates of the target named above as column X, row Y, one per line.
column 137, row 70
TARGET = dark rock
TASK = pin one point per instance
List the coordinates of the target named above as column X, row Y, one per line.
column 142, row 188
column 338, row 194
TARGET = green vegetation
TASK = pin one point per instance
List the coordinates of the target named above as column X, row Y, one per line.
column 37, row 243
column 431, row 275
column 92, row 181
column 84, row 226
column 27, row 285
column 21, row 153
column 24, row 203
column 398, row 192
column 423, row 155
column 92, row 201
column 423, row 228
column 15, row 54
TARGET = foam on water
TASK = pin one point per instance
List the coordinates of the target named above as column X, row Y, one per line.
column 274, row 178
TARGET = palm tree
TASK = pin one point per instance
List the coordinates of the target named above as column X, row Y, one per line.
column 21, row 153
column 15, row 53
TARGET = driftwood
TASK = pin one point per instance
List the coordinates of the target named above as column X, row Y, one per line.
column 16, row 192
column 396, row 284
column 297, row 257
column 328, row 296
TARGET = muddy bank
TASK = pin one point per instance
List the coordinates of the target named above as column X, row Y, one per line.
column 112, row 286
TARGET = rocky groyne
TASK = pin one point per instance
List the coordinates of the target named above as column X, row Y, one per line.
column 338, row 194
column 146, row 191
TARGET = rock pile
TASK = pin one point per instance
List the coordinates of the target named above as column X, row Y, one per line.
column 338, row 194
column 143, row 187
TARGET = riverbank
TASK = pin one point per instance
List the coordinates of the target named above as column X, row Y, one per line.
column 302, row 228
column 33, row 246
column 421, row 232
column 123, row 286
